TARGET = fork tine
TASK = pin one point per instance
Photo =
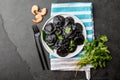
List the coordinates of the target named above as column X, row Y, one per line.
column 35, row 28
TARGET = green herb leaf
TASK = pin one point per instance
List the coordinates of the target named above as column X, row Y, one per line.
column 59, row 36
column 72, row 43
column 67, row 30
column 44, row 34
column 104, row 38
column 96, row 53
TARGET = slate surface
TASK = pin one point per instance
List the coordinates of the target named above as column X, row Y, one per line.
column 18, row 56
column 12, row 67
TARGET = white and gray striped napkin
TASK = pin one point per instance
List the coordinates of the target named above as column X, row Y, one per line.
column 82, row 10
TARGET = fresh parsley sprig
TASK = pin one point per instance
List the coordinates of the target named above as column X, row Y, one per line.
column 96, row 53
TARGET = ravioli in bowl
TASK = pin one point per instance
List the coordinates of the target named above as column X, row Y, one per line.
column 63, row 35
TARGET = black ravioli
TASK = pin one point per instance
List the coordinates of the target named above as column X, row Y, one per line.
column 79, row 27
column 49, row 28
column 59, row 21
column 66, row 42
column 79, row 40
column 62, row 51
column 59, row 31
column 51, row 39
column 69, row 21
column 57, row 44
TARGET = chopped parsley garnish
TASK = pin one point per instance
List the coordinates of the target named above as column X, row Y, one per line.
column 67, row 30
column 60, row 37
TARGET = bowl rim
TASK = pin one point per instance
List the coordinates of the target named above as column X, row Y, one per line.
column 52, row 52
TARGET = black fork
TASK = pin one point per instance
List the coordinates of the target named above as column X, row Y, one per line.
column 39, row 47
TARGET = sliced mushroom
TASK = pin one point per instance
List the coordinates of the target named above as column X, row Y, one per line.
column 38, row 18
column 43, row 11
column 38, row 15
column 35, row 9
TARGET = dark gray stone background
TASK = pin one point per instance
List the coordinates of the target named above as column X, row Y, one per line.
column 18, row 56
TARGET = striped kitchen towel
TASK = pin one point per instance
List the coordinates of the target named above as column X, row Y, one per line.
column 82, row 10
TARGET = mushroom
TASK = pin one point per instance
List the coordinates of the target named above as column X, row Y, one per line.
column 35, row 9
column 43, row 11
column 38, row 15
column 38, row 18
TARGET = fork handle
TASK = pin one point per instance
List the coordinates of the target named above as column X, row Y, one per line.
column 43, row 53
column 39, row 53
